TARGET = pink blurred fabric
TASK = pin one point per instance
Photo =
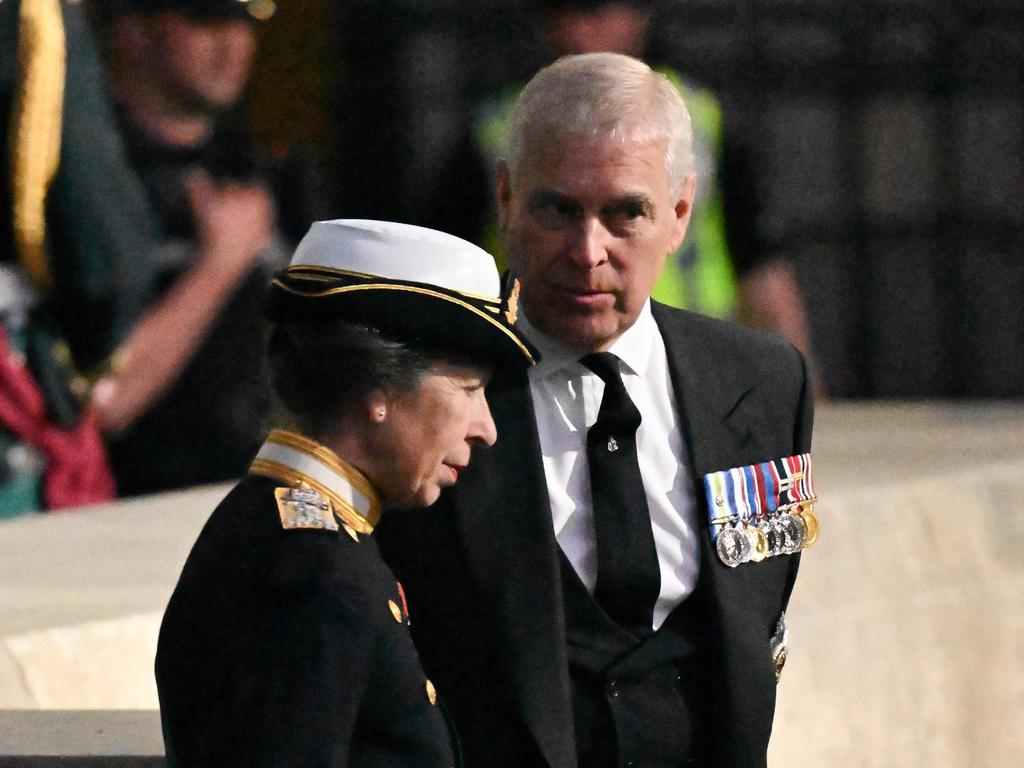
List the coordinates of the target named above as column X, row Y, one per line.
column 77, row 472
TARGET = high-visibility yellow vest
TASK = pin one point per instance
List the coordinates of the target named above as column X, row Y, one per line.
column 699, row 275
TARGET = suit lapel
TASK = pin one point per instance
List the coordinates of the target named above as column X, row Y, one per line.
column 707, row 391
column 709, row 394
column 503, row 516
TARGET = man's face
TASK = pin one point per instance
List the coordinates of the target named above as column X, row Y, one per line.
column 615, row 27
column 588, row 225
column 201, row 64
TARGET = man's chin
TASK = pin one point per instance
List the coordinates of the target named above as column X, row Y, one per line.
column 586, row 334
column 210, row 104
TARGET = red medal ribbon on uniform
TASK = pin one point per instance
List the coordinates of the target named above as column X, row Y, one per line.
column 401, row 596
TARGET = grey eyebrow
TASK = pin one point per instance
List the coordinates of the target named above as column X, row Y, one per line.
column 543, row 196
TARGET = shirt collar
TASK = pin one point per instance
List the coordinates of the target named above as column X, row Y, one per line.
column 633, row 347
column 295, row 459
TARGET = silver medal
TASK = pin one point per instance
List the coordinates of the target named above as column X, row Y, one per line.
column 796, row 532
column 733, row 547
column 781, row 538
column 771, row 535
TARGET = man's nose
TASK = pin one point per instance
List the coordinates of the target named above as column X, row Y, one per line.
column 589, row 246
column 236, row 36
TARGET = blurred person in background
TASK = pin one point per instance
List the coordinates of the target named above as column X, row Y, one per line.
column 721, row 270
column 76, row 235
column 106, row 300
column 227, row 212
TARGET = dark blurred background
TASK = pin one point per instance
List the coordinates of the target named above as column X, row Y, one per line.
column 887, row 136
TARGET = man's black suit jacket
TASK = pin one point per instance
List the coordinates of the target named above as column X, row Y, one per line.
column 482, row 574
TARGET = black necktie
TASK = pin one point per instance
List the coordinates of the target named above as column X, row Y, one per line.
column 628, row 576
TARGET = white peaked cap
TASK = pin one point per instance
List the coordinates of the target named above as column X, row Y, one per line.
column 410, row 282
column 400, row 252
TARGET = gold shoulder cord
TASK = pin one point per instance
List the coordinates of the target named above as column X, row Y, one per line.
column 36, row 129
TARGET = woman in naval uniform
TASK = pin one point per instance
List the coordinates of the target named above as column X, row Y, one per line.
column 285, row 642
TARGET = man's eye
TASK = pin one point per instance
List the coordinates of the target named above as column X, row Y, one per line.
column 555, row 213
column 559, row 207
column 628, row 212
column 625, row 218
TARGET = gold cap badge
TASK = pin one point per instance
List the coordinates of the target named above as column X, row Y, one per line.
column 513, row 303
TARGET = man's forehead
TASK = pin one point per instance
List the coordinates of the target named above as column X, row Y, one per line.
column 543, row 134
column 566, row 163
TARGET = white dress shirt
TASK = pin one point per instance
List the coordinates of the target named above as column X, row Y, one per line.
column 566, row 401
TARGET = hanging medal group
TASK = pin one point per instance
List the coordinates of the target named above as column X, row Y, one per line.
column 762, row 510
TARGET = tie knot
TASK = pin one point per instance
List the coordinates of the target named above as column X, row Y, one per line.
column 618, row 415
column 604, row 364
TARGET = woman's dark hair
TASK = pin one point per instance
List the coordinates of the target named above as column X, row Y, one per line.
column 320, row 370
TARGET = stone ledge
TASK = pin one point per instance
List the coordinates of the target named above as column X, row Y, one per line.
column 94, row 738
column 907, row 622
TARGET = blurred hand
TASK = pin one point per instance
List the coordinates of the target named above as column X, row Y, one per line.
column 234, row 222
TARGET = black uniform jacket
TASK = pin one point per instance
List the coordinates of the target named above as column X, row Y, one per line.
column 482, row 571
column 290, row 648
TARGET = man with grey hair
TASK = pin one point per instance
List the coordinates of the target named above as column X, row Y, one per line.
column 570, row 604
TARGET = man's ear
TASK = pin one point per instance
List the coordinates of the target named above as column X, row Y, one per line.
column 504, row 189
column 683, row 208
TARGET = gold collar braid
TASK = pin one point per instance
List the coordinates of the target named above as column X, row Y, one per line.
column 333, row 473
